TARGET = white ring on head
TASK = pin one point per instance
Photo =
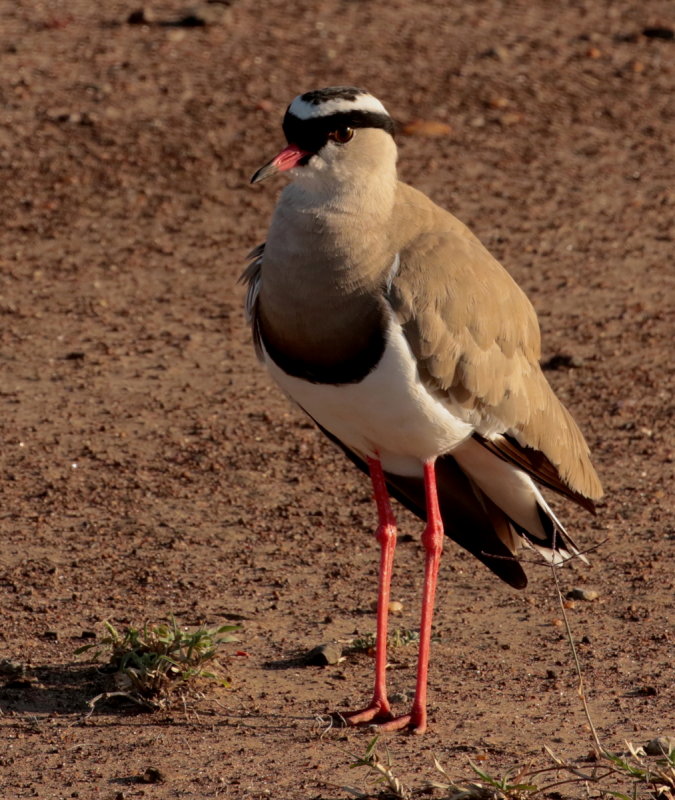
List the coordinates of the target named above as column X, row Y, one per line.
column 336, row 105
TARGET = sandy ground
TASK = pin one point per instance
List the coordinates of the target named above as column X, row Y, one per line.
column 149, row 467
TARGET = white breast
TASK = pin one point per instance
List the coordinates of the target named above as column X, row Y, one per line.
column 389, row 414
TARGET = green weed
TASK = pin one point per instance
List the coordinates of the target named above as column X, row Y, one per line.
column 153, row 666
column 401, row 637
column 639, row 777
column 380, row 772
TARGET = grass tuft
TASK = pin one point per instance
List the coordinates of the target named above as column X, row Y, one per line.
column 153, row 666
column 380, row 772
column 401, row 637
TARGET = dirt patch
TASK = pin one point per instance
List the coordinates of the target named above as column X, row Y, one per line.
column 148, row 465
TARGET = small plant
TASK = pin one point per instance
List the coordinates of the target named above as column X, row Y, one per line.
column 639, row 777
column 362, row 644
column 489, row 787
column 509, row 784
column 401, row 637
column 654, row 775
column 380, row 771
column 646, row 778
column 153, row 666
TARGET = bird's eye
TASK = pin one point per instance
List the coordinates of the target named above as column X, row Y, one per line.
column 341, row 135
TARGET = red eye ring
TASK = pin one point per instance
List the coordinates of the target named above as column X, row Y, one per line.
column 341, row 135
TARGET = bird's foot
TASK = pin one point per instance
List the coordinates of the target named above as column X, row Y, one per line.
column 415, row 722
column 377, row 712
column 378, row 715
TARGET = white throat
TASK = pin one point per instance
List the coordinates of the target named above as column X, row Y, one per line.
column 373, row 196
column 364, row 188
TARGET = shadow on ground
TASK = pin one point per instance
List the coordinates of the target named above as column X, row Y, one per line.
column 47, row 690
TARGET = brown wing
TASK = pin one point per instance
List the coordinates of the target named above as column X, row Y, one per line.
column 477, row 340
column 535, row 463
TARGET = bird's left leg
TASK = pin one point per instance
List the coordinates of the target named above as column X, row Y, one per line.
column 379, row 709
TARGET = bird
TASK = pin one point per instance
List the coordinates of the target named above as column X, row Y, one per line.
column 385, row 319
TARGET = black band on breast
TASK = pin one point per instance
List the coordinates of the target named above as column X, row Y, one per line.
column 350, row 363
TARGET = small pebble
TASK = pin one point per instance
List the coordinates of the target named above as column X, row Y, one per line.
column 511, row 118
column 395, row 607
column 498, row 53
column 562, row 361
column 662, row 745
column 153, row 775
column 141, row 16
column 659, row 32
column 498, row 102
column 583, row 594
column 324, row 654
column 12, row 668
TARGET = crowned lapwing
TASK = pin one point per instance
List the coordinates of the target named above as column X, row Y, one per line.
column 388, row 322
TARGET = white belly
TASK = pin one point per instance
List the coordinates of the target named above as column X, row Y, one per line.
column 389, row 414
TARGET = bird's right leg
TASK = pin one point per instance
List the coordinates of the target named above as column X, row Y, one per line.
column 379, row 710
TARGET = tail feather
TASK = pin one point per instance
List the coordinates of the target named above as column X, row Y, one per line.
column 517, row 495
column 558, row 546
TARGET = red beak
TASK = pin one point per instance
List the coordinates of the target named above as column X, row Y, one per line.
column 288, row 158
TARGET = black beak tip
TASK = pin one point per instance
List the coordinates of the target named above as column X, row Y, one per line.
column 264, row 172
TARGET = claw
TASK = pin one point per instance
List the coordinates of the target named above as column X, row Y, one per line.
column 415, row 723
column 377, row 713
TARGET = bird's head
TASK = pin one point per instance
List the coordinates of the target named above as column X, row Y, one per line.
column 335, row 135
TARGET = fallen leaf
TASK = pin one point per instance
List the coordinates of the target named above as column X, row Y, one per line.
column 426, row 127
column 511, row 118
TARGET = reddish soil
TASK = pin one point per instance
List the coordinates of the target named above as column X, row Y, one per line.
column 149, row 467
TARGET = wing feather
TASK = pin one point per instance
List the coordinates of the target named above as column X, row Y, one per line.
column 251, row 276
column 476, row 337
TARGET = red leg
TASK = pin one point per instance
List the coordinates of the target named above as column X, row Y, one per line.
column 432, row 539
column 379, row 709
